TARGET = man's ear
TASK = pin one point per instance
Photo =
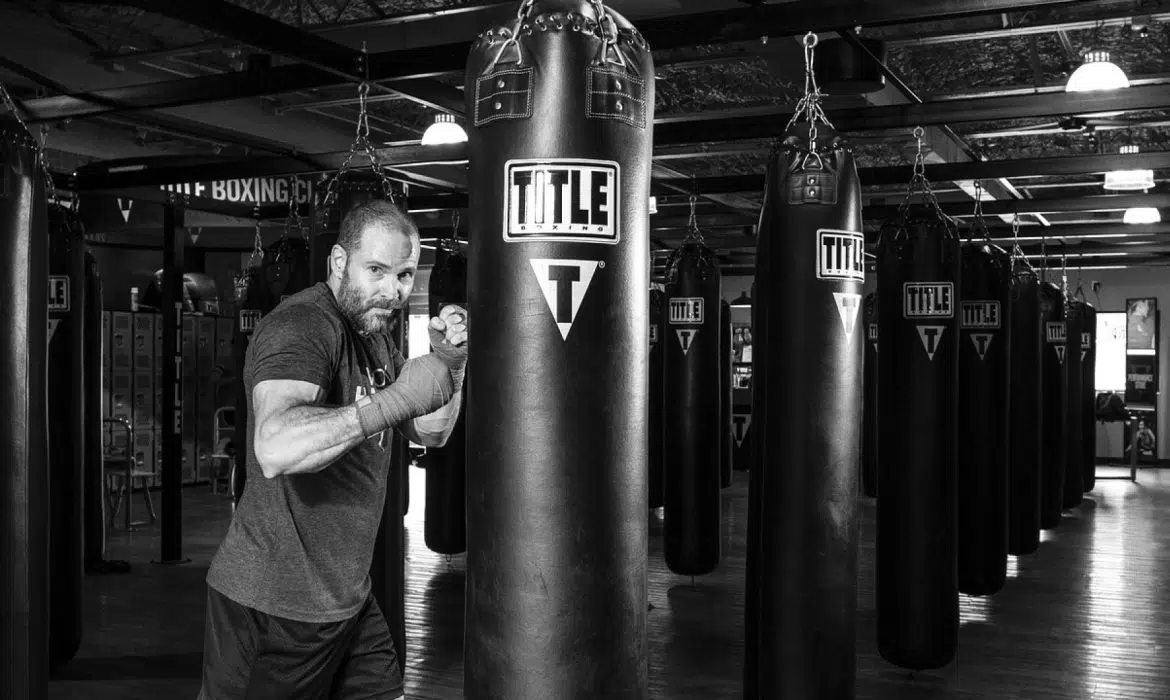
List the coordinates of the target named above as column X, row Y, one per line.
column 338, row 257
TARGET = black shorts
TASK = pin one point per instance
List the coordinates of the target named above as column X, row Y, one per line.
column 249, row 655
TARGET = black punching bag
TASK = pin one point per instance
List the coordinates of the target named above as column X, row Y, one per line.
column 692, row 473
column 802, row 540
column 917, row 577
column 93, row 486
column 657, row 394
column 1089, row 402
column 66, row 416
column 984, row 417
column 444, row 522
column 24, row 477
column 560, row 108
column 388, row 565
column 725, row 419
column 869, row 445
column 252, row 302
column 1027, row 406
column 1074, row 398
column 1052, row 414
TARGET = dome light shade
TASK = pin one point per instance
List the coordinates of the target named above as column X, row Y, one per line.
column 1142, row 215
column 1097, row 73
column 1129, row 179
column 444, row 130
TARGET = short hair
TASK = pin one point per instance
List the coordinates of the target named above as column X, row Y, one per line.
column 374, row 212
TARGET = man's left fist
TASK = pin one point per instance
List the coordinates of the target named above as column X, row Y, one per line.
column 448, row 333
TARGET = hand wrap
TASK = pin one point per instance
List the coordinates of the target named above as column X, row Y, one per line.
column 455, row 358
column 424, row 386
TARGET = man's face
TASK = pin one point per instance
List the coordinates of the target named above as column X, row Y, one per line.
column 378, row 277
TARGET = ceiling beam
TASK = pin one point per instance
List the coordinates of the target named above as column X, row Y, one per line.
column 1117, row 202
column 446, row 50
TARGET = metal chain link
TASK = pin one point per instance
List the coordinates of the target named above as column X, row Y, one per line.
column 978, row 222
column 451, row 243
column 361, row 142
column 522, row 14
column 42, row 159
column 809, row 105
column 294, row 213
column 920, row 185
column 609, row 39
column 694, row 235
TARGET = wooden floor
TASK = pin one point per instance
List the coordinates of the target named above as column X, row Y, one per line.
column 1088, row 616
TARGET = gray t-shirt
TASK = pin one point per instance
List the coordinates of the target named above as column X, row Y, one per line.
column 300, row 546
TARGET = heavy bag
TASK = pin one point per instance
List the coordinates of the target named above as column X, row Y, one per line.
column 1026, row 410
column 807, row 352
column 1052, row 378
column 561, row 112
column 1089, row 390
column 66, row 419
column 24, row 477
column 285, row 268
column 725, row 420
column 917, row 571
column 93, row 486
column 869, row 446
column 388, row 564
column 692, row 473
column 444, row 522
column 741, row 437
column 1074, row 401
column 984, row 416
column 252, row 302
column 657, row 396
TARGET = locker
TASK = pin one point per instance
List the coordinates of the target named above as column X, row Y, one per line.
column 144, row 401
column 122, row 396
column 145, row 338
column 121, row 342
column 144, row 454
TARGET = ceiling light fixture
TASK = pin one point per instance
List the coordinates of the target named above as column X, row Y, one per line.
column 1129, row 179
column 444, row 130
column 1142, row 215
column 1097, row 73
column 743, row 301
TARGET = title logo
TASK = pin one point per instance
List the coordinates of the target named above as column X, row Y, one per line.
column 840, row 255
column 562, row 200
column 928, row 300
column 980, row 314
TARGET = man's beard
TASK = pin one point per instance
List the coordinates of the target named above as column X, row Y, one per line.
column 355, row 308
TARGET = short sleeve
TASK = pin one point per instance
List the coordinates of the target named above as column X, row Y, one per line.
column 297, row 342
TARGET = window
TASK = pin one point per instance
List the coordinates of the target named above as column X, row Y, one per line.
column 1111, row 342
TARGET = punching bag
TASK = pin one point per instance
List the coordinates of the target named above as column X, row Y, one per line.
column 807, row 352
column 1053, row 412
column 388, row 565
column 1089, row 389
column 692, row 474
column 24, row 477
column 93, row 486
column 1027, row 347
column 869, row 446
column 252, row 302
column 657, row 448
column 984, row 417
column 285, row 268
column 66, row 419
column 444, row 522
column 917, row 577
column 1074, row 401
column 561, row 112
column 725, row 410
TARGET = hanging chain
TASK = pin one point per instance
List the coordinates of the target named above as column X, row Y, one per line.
column 920, row 185
column 809, row 105
column 522, row 15
column 979, row 224
column 694, row 235
column 294, row 214
column 451, row 244
column 607, row 30
column 257, row 252
column 42, row 160
column 1064, row 271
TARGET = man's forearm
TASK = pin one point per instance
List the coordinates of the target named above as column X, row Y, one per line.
column 307, row 439
column 433, row 429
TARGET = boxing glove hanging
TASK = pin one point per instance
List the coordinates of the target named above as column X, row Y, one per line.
column 560, row 108
column 918, row 323
column 807, row 410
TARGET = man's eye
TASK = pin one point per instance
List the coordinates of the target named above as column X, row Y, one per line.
column 405, row 275
column 375, row 269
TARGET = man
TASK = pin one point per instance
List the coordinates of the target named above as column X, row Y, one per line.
column 290, row 613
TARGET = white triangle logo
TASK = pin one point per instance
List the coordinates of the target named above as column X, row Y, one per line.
column 1060, row 353
column 53, row 327
column 740, row 425
column 1082, row 355
column 194, row 237
column 124, row 206
column 930, row 336
column 686, row 337
column 564, row 283
column 847, row 307
column 982, row 341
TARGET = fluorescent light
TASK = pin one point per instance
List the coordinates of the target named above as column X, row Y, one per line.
column 1097, row 73
column 743, row 301
column 444, row 130
column 1142, row 215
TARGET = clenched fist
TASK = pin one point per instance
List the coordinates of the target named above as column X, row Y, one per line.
column 448, row 333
